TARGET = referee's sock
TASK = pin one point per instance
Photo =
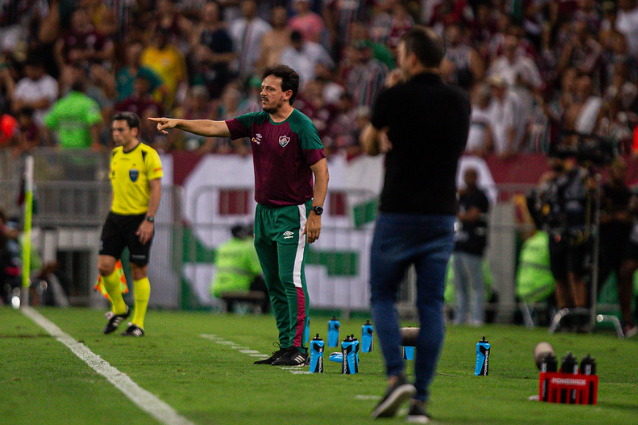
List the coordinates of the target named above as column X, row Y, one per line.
column 142, row 292
column 112, row 285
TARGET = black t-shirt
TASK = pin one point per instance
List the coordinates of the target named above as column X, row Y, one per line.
column 472, row 237
column 428, row 123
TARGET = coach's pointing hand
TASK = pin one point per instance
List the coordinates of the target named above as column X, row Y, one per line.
column 164, row 124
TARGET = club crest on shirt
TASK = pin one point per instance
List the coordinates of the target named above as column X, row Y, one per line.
column 283, row 141
column 133, row 174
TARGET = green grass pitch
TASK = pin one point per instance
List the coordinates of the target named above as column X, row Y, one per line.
column 43, row 382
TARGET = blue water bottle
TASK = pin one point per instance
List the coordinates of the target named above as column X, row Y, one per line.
column 349, row 356
column 408, row 352
column 306, row 332
column 482, row 358
column 366, row 337
column 356, row 351
column 333, row 332
column 316, row 355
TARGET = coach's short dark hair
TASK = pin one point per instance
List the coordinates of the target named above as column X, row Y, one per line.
column 289, row 78
column 131, row 119
column 425, row 44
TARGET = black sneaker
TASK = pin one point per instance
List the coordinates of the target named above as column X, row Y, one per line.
column 133, row 330
column 275, row 355
column 115, row 320
column 292, row 357
column 400, row 392
column 417, row 413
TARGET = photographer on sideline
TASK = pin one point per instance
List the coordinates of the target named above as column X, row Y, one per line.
column 567, row 212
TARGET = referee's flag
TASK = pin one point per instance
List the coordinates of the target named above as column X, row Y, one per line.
column 99, row 285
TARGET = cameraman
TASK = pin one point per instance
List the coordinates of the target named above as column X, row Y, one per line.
column 566, row 198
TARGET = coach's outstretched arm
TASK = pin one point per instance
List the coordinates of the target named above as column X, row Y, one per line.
column 207, row 128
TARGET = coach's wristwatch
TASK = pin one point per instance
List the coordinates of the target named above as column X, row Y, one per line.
column 317, row 209
column 150, row 219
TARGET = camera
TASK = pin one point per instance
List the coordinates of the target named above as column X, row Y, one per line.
column 588, row 149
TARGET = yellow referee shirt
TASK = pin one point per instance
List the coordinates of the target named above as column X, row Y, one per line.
column 130, row 174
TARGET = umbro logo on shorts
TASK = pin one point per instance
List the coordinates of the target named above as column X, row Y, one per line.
column 288, row 234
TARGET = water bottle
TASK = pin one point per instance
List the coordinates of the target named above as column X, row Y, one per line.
column 481, row 368
column 306, row 332
column 408, row 352
column 357, row 346
column 569, row 365
column 548, row 364
column 349, row 359
column 333, row 332
column 336, row 356
column 366, row 337
column 316, row 355
column 588, row 367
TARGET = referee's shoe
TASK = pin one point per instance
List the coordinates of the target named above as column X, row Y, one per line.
column 115, row 320
column 133, row 330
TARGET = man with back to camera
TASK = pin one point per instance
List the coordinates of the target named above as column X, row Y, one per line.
column 287, row 152
column 136, row 173
column 422, row 124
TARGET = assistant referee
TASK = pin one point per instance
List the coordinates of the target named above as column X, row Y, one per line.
column 136, row 172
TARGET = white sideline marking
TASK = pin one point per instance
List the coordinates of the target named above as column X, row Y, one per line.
column 295, row 370
column 367, row 397
column 138, row 395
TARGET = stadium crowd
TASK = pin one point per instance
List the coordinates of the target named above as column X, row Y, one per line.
column 538, row 71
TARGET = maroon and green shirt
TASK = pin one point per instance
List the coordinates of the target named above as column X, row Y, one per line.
column 282, row 155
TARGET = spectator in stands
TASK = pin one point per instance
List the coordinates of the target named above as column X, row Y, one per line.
column 307, row 22
column 627, row 24
column 464, row 65
column 175, row 24
column 36, row 90
column 365, row 79
column 238, row 268
column 103, row 18
column 470, row 243
column 512, row 65
column 247, row 33
column 339, row 16
column 304, row 56
column 30, row 135
column 133, row 69
column 163, row 57
column 276, row 40
column 582, row 52
column 360, row 32
column 583, row 114
column 400, row 23
column 211, row 49
column 231, row 105
column 197, row 105
column 81, row 44
column 75, row 120
column 480, row 138
column 345, row 129
column 503, row 117
column 141, row 99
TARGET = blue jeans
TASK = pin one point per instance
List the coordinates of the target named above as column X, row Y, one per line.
column 469, row 285
column 399, row 241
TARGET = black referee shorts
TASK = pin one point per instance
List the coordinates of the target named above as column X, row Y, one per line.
column 119, row 232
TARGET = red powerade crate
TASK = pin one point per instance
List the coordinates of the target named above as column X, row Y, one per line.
column 569, row 388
